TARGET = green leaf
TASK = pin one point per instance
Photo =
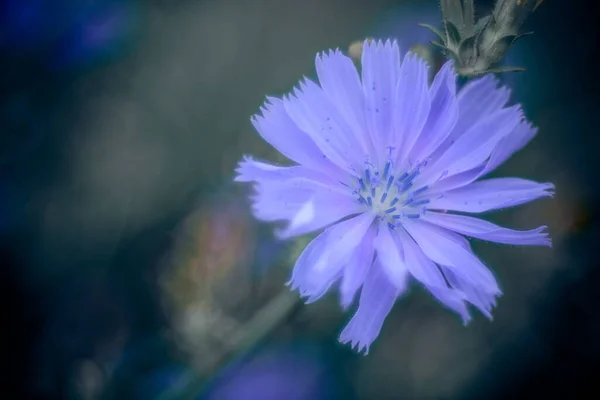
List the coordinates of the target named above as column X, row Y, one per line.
column 469, row 44
column 435, row 30
column 482, row 23
column 452, row 11
column 447, row 52
column 469, row 15
column 438, row 44
column 452, row 32
column 499, row 70
column 520, row 36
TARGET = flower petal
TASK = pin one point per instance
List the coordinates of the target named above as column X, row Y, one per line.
column 312, row 110
column 340, row 81
column 452, row 299
column 412, row 105
column 377, row 298
column 250, row 170
column 380, row 72
column 443, row 113
column 355, row 272
column 455, row 181
column 475, row 146
column 473, row 294
column 484, row 300
column 305, row 198
column 442, row 247
column 510, row 144
column 485, row 230
column 419, row 265
column 478, row 99
column 491, row 194
column 321, row 262
column 319, row 211
column 277, row 128
column 389, row 254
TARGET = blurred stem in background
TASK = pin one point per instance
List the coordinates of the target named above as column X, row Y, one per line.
column 191, row 385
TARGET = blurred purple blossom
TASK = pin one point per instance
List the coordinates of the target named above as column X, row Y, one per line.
column 295, row 372
column 68, row 32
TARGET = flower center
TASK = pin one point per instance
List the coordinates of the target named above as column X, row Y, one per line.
column 392, row 195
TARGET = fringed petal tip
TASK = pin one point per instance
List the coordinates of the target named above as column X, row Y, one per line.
column 544, row 238
column 550, row 189
column 243, row 172
column 379, row 44
column 327, row 54
column 304, row 295
column 285, row 233
column 356, row 345
column 466, row 319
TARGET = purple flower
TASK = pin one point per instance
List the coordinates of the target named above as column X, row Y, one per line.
column 381, row 158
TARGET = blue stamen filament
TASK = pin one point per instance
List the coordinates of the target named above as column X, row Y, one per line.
column 389, row 183
column 386, row 169
column 362, row 184
column 420, row 190
column 395, row 199
column 404, row 175
column 420, row 202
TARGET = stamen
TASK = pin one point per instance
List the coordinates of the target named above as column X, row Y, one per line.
column 442, row 176
column 420, row 203
column 386, row 169
column 390, row 149
column 372, row 188
column 420, row 190
column 422, row 164
column 362, row 184
column 405, row 187
column 375, row 180
column 389, row 182
column 412, row 176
